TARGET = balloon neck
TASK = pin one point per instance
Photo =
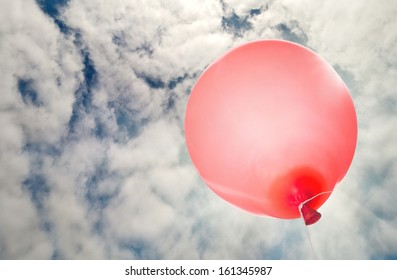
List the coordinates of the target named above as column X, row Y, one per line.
column 302, row 200
column 309, row 215
column 299, row 198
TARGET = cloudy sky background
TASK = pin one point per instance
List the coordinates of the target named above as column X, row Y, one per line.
column 93, row 163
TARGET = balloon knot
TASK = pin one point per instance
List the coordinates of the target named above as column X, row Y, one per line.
column 309, row 215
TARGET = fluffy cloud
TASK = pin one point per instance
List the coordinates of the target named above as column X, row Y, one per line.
column 39, row 74
column 93, row 159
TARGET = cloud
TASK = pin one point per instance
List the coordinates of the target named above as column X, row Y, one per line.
column 39, row 73
column 93, row 159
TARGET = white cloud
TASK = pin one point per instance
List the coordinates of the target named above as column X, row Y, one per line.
column 33, row 49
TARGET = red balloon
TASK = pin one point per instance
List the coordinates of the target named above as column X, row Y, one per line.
column 268, row 126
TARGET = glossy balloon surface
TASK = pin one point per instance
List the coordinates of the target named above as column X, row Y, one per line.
column 269, row 125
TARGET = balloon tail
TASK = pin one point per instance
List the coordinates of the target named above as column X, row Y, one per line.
column 310, row 216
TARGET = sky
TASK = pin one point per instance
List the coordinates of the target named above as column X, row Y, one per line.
column 93, row 161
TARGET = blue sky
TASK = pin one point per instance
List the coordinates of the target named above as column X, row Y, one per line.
column 92, row 152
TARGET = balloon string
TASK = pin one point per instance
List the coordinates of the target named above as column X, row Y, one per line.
column 307, row 230
column 311, row 244
column 313, row 197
